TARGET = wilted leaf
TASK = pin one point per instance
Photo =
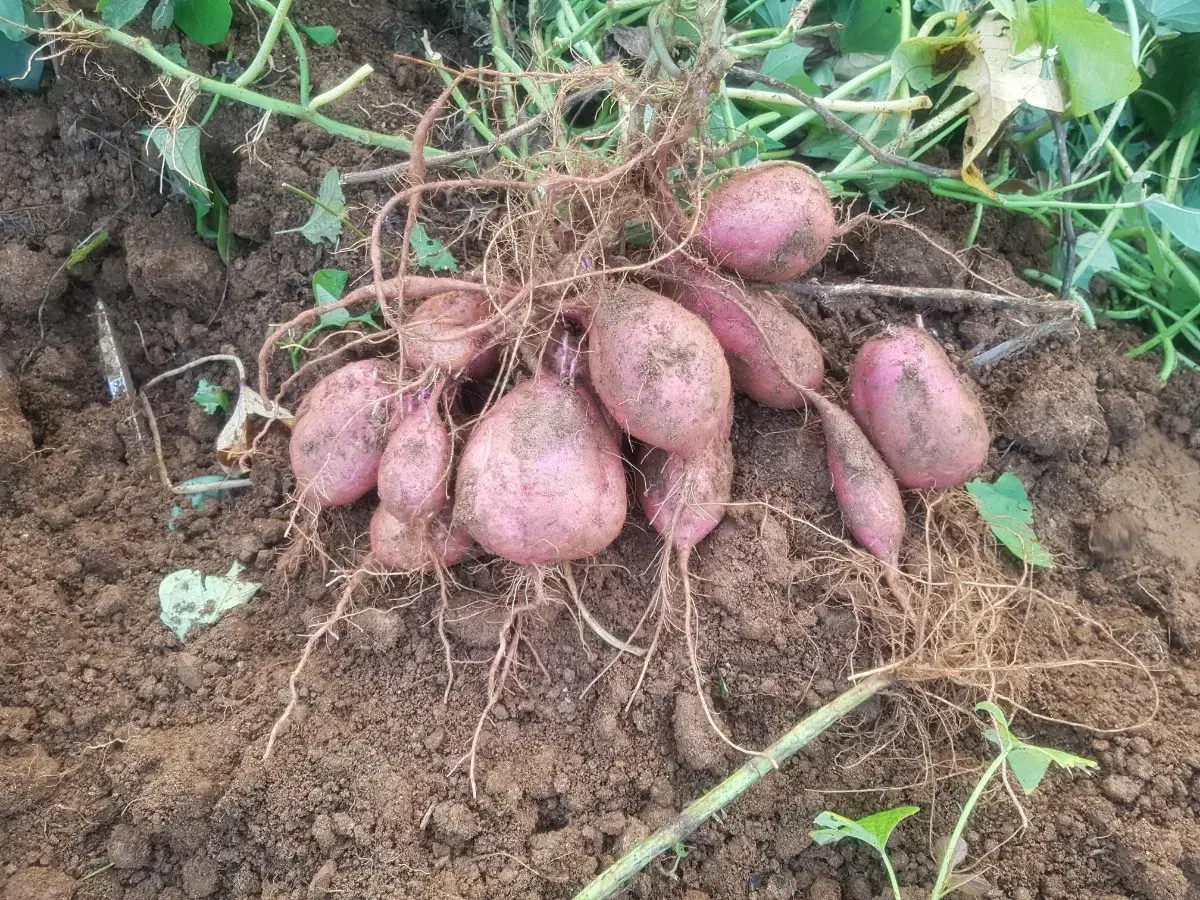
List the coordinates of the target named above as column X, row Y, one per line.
column 431, row 253
column 164, row 14
column 1003, row 82
column 1105, row 259
column 928, row 61
column 1008, row 512
column 87, row 248
column 233, row 443
column 212, row 398
column 179, row 149
column 325, row 222
column 188, row 598
column 174, row 53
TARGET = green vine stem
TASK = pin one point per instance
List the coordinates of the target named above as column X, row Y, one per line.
column 305, row 112
column 615, row 878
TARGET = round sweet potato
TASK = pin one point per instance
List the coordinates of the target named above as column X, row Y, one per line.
column 685, row 498
column 772, row 222
column 925, row 421
column 658, row 369
column 540, row 479
column 416, row 547
column 442, row 314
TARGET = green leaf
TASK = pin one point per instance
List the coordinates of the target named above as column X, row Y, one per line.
column 1092, row 52
column 1028, row 762
column 1008, row 512
column 328, row 286
column 873, row 830
column 431, row 253
column 85, row 249
column 118, row 13
column 787, row 64
column 927, row 61
column 20, row 65
column 868, row 26
column 204, row 21
column 1178, row 15
column 212, row 397
column 180, row 152
column 12, row 17
column 1183, row 223
column 164, row 14
column 223, row 238
column 174, row 53
column 319, row 34
column 774, row 13
column 1105, row 259
column 325, row 223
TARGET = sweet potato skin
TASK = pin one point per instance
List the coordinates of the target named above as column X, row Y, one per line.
column 540, row 480
column 769, row 350
column 417, row 547
column 685, row 498
column 471, row 356
column 340, row 432
column 414, row 470
column 658, row 369
column 772, row 222
column 923, row 418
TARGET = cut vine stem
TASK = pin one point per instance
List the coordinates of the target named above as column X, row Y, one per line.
column 618, row 875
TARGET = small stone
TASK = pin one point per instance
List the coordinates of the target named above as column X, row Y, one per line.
column 128, row 847
column 189, row 670
column 824, row 888
column 698, row 747
column 434, row 739
column 246, row 548
column 1120, row 788
column 378, row 629
column 39, row 884
column 200, row 877
column 1113, row 536
column 455, row 824
column 343, row 824
column 58, row 517
column 270, row 531
column 322, row 832
column 321, row 881
column 109, row 601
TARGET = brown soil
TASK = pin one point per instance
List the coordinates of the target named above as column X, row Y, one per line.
column 130, row 763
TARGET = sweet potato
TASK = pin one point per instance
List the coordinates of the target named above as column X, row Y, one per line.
column 540, row 479
column 684, row 498
column 419, row 546
column 472, row 356
column 657, row 368
column 340, row 432
column 414, row 471
column 769, row 350
column 865, row 488
column 925, row 421
column 769, row 223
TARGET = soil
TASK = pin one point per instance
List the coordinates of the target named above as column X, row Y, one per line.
column 131, row 762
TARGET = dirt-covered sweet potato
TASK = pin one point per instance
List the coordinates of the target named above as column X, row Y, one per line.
column 416, row 547
column 923, row 418
column 472, row 356
column 340, row 432
column 414, row 471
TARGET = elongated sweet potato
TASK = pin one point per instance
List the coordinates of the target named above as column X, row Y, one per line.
column 925, row 420
column 414, row 471
column 340, row 431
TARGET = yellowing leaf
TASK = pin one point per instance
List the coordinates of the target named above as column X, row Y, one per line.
column 974, row 178
column 1002, row 82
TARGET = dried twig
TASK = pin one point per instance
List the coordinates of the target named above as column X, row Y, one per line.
column 947, row 299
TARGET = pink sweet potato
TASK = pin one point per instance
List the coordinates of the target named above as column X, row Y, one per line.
column 414, row 471
column 419, row 546
column 540, row 479
column 865, row 488
column 769, row 350
column 772, row 222
column 472, row 356
column 684, row 498
column 926, row 421
column 340, row 431
column 657, row 369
